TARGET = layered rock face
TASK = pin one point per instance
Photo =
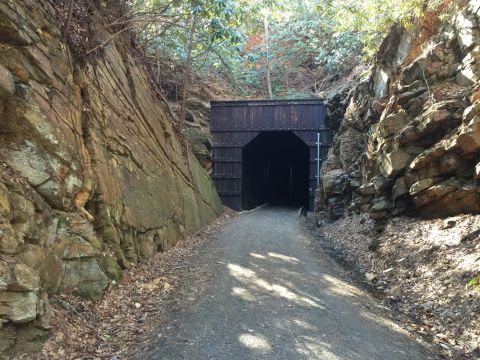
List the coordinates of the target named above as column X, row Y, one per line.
column 92, row 175
column 410, row 138
column 197, row 129
column 197, row 119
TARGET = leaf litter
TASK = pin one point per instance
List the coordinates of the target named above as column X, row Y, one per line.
column 424, row 270
column 127, row 315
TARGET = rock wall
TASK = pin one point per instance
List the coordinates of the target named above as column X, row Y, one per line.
column 197, row 129
column 409, row 142
column 197, row 119
column 92, row 175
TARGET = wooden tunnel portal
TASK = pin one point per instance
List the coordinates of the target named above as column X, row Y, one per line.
column 267, row 150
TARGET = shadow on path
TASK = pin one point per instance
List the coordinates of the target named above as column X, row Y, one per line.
column 257, row 291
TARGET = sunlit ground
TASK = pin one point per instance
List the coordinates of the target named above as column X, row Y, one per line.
column 278, row 299
column 286, row 288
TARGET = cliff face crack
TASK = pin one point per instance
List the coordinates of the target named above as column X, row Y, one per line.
column 151, row 130
column 421, row 104
column 81, row 137
column 89, row 180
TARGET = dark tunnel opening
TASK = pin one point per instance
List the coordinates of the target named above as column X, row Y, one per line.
column 275, row 170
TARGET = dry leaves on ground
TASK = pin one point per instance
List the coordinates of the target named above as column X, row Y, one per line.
column 426, row 269
column 108, row 328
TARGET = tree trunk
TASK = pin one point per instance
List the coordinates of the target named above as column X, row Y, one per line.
column 66, row 26
column 267, row 43
column 186, row 80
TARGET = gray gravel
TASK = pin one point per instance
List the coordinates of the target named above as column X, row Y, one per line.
column 258, row 290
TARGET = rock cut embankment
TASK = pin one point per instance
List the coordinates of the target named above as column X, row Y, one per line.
column 409, row 142
column 93, row 177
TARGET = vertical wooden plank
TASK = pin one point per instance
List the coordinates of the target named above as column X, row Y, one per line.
column 235, row 124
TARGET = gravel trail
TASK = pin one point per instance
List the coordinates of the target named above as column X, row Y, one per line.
column 258, row 290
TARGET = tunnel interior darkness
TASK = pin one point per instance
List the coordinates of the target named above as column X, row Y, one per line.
column 275, row 170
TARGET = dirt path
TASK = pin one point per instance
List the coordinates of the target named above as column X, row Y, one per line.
column 259, row 291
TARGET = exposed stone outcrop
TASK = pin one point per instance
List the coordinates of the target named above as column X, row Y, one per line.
column 92, row 174
column 197, row 130
column 410, row 138
column 197, row 120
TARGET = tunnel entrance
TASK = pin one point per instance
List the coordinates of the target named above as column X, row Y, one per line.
column 276, row 170
column 262, row 150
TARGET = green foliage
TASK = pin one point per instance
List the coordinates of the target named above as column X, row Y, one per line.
column 309, row 40
column 216, row 21
column 475, row 282
column 371, row 19
column 295, row 94
column 312, row 39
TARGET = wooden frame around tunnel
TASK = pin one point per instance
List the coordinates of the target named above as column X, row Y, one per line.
column 235, row 123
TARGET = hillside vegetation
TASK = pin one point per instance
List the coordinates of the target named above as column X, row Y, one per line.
column 105, row 150
column 264, row 48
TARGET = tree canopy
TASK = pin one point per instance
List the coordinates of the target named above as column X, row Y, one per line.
column 292, row 46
